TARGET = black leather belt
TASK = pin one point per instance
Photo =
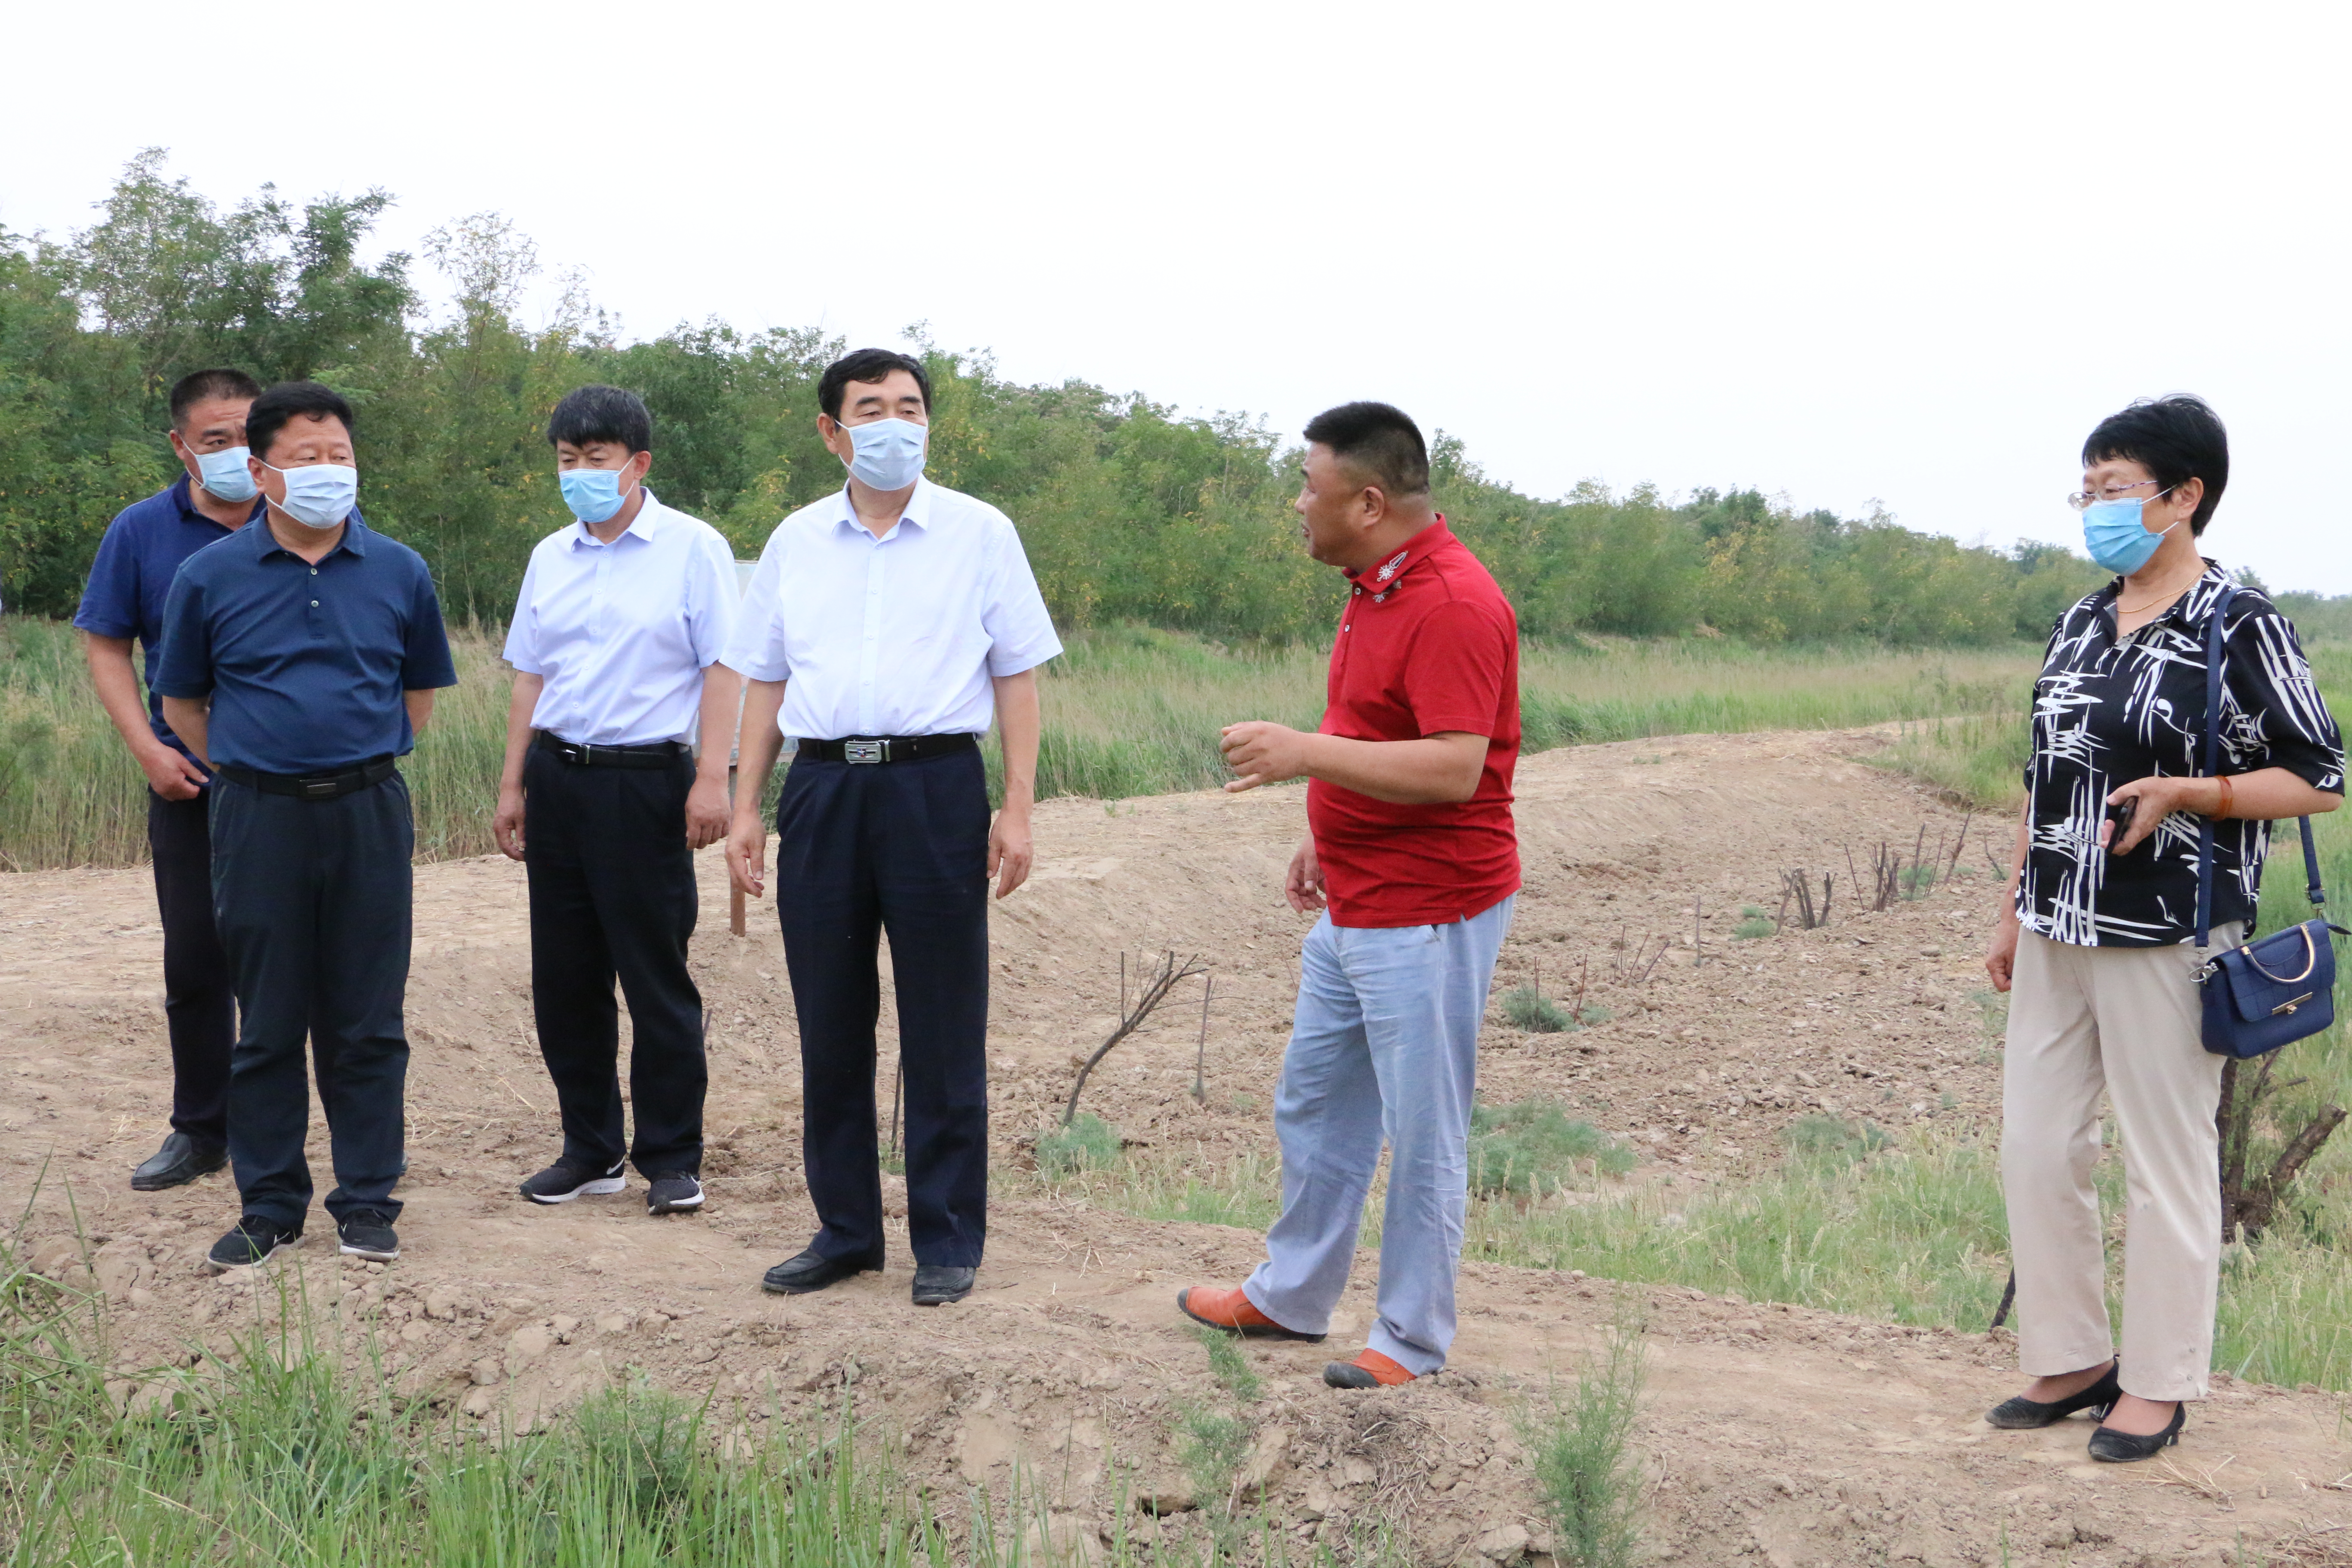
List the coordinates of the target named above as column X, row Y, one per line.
column 660, row 754
column 885, row 748
column 311, row 786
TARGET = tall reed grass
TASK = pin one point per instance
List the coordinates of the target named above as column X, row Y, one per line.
column 1128, row 712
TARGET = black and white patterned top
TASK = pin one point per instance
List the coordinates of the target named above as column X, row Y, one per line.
column 2109, row 710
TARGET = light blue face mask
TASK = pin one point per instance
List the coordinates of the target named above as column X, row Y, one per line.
column 320, row 495
column 889, row 453
column 2115, row 536
column 224, row 473
column 593, row 494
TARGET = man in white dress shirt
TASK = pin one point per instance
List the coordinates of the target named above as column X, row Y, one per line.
column 884, row 627
column 622, row 617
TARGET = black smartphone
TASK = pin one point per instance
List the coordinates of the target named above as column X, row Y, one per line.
column 2120, row 814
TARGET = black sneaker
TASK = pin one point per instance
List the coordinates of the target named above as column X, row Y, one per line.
column 673, row 1193
column 560, row 1183
column 255, row 1240
column 367, row 1233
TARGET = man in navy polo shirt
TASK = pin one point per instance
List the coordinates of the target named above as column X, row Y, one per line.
column 299, row 659
column 124, row 601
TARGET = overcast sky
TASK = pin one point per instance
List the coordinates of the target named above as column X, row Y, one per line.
column 1844, row 253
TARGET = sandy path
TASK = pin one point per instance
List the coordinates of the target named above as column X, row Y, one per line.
column 1803, row 1436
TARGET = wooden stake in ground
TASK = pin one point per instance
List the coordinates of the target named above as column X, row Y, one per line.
column 1156, row 986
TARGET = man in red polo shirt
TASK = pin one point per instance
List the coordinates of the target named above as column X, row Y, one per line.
column 1413, row 857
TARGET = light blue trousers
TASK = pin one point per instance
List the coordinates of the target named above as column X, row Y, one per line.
column 1384, row 1045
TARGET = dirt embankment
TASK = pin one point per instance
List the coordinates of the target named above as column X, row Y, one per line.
column 1801, row 1437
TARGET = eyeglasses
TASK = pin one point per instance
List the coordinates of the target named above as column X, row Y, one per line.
column 2083, row 499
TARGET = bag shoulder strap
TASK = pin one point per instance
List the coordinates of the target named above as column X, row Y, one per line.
column 2216, row 634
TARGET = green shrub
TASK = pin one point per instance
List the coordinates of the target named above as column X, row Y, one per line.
column 1088, row 1143
column 1529, row 1008
column 1584, row 1462
column 1753, row 927
column 1532, row 1148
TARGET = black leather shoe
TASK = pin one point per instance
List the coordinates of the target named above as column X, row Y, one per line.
column 937, row 1284
column 2021, row 1414
column 799, row 1275
column 180, row 1161
column 2110, row 1447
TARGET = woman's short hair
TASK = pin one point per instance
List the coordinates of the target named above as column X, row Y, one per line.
column 2177, row 439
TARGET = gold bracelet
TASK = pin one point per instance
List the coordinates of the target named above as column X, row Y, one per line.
column 2222, row 811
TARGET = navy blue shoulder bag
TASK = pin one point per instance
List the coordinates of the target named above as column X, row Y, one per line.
column 2265, row 993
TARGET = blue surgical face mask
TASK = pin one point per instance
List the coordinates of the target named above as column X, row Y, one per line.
column 889, row 452
column 2115, row 536
column 593, row 494
column 224, row 473
column 320, row 495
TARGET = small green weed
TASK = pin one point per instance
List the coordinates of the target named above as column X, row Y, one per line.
column 1532, row 1147
column 1754, row 922
column 1230, row 1365
column 1584, row 1463
column 1529, row 1008
column 1088, row 1143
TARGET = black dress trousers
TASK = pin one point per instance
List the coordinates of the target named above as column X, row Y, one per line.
column 199, row 1003
column 312, row 899
column 613, row 895
column 902, row 847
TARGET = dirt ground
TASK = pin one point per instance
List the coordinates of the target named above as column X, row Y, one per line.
column 1798, row 1437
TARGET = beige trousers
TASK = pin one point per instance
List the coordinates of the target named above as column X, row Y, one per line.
column 2125, row 1020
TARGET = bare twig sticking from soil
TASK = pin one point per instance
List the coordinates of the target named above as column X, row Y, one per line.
column 1156, row 986
column 1795, row 884
column 1201, row 1057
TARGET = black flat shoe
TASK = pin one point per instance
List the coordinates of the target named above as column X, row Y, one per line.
column 180, row 1161
column 937, row 1284
column 2021, row 1414
column 799, row 1275
column 2110, row 1447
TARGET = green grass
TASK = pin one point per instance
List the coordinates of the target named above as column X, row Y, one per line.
column 1088, row 1143
column 1128, row 712
column 1532, row 1148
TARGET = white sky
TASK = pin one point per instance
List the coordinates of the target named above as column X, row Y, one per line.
column 1840, row 252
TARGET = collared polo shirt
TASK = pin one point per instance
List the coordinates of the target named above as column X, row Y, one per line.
column 895, row 635
column 620, row 633
column 305, row 665
column 1427, row 645
column 142, row 548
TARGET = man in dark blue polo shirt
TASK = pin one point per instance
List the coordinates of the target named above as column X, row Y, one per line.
column 142, row 548
column 299, row 659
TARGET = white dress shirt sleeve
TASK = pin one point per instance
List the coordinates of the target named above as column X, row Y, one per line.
column 1020, row 631
column 711, row 602
column 756, row 651
column 522, row 632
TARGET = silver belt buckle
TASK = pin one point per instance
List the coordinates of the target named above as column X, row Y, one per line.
column 866, row 750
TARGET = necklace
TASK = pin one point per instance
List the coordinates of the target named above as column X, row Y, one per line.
column 2164, row 597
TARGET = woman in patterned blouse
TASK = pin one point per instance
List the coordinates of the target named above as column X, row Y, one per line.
column 2103, row 900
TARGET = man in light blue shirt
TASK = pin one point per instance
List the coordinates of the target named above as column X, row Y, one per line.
column 883, row 628
column 622, row 617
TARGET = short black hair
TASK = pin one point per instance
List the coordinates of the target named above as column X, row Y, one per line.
column 1378, row 441
column 198, row 385
column 867, row 366
column 279, row 406
column 602, row 413
column 2177, row 439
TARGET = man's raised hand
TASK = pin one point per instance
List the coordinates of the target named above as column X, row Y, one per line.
column 1261, row 753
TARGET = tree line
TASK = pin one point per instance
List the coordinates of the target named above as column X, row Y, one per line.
column 1130, row 512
